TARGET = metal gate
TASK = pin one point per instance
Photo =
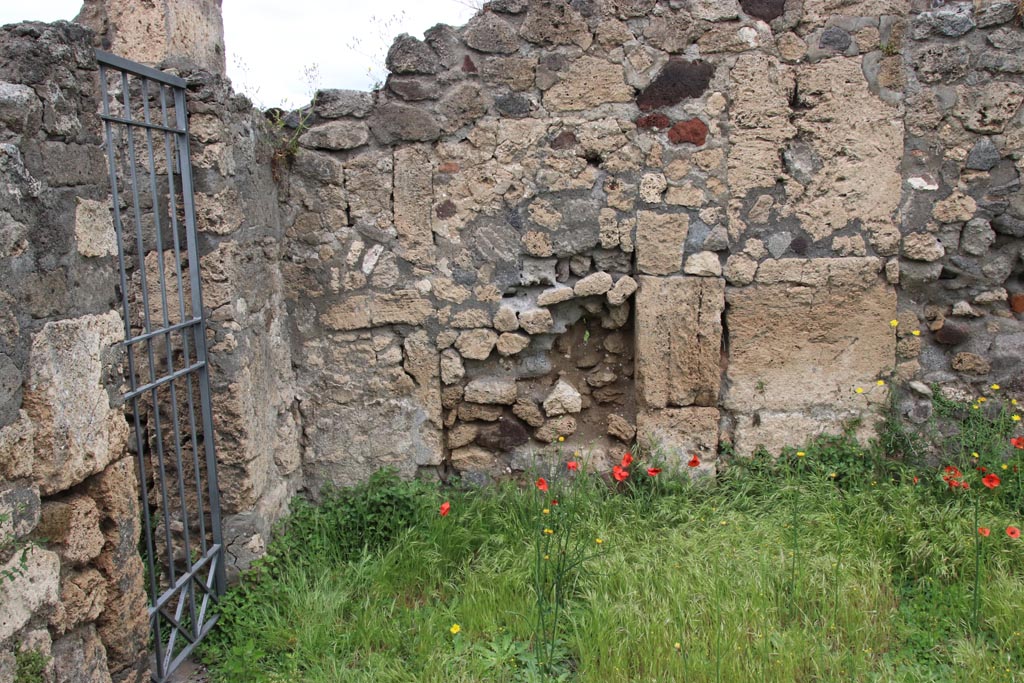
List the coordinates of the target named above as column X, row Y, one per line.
column 146, row 135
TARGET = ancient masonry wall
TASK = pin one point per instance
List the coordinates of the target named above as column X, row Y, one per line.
column 687, row 221
column 66, row 478
column 693, row 218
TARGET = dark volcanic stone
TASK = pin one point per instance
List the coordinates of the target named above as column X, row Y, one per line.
column 513, row 105
column 504, row 435
column 765, row 10
column 653, row 121
column 835, row 38
column 410, row 55
column 446, row 209
column 693, row 131
column 413, row 89
column 678, row 80
column 564, row 140
column 951, row 335
column 468, row 67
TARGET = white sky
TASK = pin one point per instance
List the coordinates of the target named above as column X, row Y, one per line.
column 271, row 44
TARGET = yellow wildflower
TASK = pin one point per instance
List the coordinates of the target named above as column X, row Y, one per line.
column 858, row 390
column 678, row 646
column 800, row 454
column 1004, row 466
column 894, row 323
column 880, row 382
column 975, row 455
column 546, row 511
column 994, row 387
column 832, row 475
column 561, row 439
column 1015, row 418
column 916, row 333
column 549, row 531
column 982, row 399
column 454, row 630
column 598, row 541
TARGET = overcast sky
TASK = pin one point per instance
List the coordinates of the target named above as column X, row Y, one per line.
column 272, row 45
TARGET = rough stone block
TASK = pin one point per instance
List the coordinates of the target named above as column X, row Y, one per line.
column 33, row 589
column 475, row 459
column 491, row 391
column 94, row 228
column 80, row 657
column 336, row 136
column 73, row 525
column 659, row 241
column 679, row 340
column 83, row 596
column 794, row 347
column 677, row 434
column 589, row 82
column 68, row 399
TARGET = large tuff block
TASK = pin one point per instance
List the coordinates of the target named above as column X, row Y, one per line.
column 78, row 433
column 679, row 340
column 801, row 339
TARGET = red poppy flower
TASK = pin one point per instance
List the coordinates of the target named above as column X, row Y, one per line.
column 966, row 486
column 1017, row 442
column 915, row 481
column 627, row 459
column 653, row 471
column 573, row 465
column 445, row 508
column 694, row 461
column 542, row 484
column 990, row 481
column 554, row 502
column 954, row 484
column 619, row 474
column 1013, row 532
column 984, row 531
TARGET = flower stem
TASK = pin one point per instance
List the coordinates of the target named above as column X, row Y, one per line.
column 977, row 563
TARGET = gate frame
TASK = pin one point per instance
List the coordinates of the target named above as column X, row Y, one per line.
column 168, row 652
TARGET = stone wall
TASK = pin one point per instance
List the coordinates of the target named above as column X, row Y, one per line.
column 69, row 511
column 748, row 192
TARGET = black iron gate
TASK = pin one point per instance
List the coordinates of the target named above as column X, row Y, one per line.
column 146, row 135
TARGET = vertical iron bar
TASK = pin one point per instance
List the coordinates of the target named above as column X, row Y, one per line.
column 169, row 348
column 173, row 210
column 132, row 165
column 200, row 334
column 140, row 450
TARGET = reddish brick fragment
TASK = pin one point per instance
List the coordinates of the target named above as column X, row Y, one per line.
column 693, row 131
column 653, row 121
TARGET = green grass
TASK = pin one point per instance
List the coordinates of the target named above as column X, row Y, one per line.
column 837, row 565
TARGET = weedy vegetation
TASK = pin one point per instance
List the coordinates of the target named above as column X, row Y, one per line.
column 836, row 562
